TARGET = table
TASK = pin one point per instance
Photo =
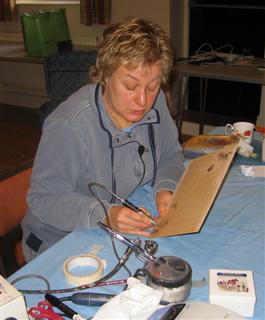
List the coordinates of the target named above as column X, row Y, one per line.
column 231, row 238
column 218, row 71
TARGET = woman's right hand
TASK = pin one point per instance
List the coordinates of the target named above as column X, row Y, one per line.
column 125, row 220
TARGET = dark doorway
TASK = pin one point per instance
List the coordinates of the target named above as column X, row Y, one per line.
column 241, row 26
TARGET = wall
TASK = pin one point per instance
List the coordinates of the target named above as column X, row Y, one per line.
column 24, row 84
column 171, row 15
column 77, row 30
column 158, row 11
column 179, row 27
column 261, row 117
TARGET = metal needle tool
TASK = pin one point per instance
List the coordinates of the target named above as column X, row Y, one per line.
column 125, row 202
column 133, row 207
column 142, row 254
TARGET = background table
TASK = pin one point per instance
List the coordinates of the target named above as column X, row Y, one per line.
column 218, row 71
column 231, row 238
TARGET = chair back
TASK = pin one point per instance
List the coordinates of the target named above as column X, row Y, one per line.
column 65, row 73
column 13, row 205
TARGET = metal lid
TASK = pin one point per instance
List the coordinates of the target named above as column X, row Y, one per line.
column 169, row 272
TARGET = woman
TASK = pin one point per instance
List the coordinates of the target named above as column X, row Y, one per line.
column 117, row 132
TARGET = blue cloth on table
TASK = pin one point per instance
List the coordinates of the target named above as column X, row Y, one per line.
column 232, row 237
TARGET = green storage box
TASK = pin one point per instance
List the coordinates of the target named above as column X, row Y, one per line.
column 46, row 32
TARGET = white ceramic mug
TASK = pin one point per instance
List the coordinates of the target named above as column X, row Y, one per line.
column 241, row 129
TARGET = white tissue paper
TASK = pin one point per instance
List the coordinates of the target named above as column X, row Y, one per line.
column 245, row 149
column 253, row 171
column 137, row 302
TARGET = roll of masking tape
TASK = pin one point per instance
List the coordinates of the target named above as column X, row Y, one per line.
column 89, row 260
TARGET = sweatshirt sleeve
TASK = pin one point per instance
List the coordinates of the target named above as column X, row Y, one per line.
column 171, row 162
column 59, row 162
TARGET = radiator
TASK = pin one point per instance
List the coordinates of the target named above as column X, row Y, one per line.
column 86, row 42
column 22, row 83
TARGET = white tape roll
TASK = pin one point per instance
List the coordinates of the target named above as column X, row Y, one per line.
column 90, row 260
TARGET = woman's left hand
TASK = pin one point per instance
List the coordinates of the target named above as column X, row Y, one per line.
column 162, row 200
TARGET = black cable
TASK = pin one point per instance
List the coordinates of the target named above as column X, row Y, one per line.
column 121, row 261
column 99, row 282
column 106, row 215
column 141, row 150
column 33, row 275
column 152, row 143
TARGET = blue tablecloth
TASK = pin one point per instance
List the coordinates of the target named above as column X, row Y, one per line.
column 232, row 237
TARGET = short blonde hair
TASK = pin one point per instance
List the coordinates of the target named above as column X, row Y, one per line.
column 132, row 43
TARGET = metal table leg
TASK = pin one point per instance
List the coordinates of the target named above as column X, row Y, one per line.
column 203, row 96
column 182, row 98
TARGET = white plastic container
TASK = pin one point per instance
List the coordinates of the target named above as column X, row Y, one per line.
column 233, row 289
column 12, row 304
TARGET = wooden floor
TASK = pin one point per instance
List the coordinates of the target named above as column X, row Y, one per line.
column 20, row 130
